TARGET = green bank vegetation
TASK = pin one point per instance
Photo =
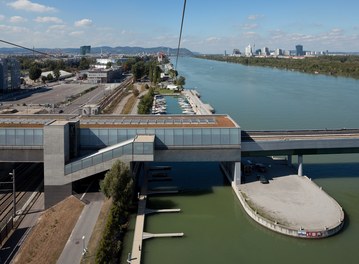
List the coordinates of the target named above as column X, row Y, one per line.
column 118, row 185
column 345, row 66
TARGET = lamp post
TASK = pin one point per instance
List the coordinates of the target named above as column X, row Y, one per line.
column 84, row 250
column 12, row 174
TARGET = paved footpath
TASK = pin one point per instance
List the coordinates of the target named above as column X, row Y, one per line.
column 79, row 238
column 138, row 236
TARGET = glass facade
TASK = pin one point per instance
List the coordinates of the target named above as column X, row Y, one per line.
column 21, row 137
column 100, row 138
column 137, row 148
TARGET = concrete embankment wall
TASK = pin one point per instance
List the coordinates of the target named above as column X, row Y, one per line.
column 308, row 233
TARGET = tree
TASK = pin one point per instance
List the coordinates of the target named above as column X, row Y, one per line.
column 108, row 65
column 173, row 73
column 84, row 64
column 43, row 79
column 50, row 77
column 118, row 184
column 35, row 72
column 181, row 81
column 138, row 70
column 135, row 92
column 57, row 73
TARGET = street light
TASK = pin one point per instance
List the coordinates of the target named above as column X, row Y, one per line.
column 12, row 174
column 84, row 249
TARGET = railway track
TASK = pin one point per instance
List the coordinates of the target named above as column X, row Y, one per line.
column 118, row 93
column 299, row 134
column 25, row 182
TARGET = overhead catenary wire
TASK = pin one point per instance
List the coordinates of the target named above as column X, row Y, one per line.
column 19, row 46
column 180, row 36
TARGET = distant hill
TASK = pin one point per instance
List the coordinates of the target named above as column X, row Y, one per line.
column 103, row 49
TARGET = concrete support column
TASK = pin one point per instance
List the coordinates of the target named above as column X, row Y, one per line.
column 300, row 165
column 56, row 152
column 289, row 160
column 237, row 174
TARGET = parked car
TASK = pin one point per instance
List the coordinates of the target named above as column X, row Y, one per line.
column 263, row 179
column 260, row 167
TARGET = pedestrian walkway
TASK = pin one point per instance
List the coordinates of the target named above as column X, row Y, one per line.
column 76, row 245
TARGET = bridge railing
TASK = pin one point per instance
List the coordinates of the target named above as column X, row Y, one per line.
column 128, row 147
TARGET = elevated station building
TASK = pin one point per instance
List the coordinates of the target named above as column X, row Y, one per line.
column 75, row 147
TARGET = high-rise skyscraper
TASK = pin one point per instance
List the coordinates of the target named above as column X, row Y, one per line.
column 299, row 50
column 248, row 51
column 85, row 50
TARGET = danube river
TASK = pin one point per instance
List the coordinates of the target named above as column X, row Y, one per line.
column 216, row 228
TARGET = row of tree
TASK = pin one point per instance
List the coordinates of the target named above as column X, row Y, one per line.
column 145, row 105
column 118, row 185
column 347, row 66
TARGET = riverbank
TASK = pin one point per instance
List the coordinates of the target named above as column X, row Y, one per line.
column 343, row 66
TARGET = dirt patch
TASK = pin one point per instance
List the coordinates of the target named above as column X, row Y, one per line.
column 48, row 238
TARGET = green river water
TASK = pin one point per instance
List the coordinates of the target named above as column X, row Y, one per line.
column 217, row 230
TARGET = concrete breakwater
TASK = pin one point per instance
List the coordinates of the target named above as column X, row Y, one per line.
column 291, row 205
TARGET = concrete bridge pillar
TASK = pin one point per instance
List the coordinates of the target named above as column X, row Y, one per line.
column 289, row 160
column 300, row 165
column 237, row 174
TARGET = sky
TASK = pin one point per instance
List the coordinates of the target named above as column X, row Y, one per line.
column 210, row 26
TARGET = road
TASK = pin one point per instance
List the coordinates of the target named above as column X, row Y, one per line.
column 79, row 238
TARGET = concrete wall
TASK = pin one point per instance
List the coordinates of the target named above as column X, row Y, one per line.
column 197, row 155
column 21, row 154
column 278, row 227
column 295, row 147
column 55, row 151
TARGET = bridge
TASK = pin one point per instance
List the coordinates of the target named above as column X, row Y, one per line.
column 74, row 147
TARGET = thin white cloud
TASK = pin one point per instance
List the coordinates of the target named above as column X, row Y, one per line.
column 212, row 39
column 12, row 29
column 2, row 17
column 254, row 17
column 83, row 22
column 17, row 19
column 57, row 27
column 48, row 20
column 249, row 26
column 76, row 33
column 30, row 6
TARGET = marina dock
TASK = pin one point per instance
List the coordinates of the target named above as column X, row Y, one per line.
column 139, row 234
column 196, row 103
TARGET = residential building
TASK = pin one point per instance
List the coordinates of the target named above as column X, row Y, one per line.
column 278, row 52
column 236, row 52
column 265, row 51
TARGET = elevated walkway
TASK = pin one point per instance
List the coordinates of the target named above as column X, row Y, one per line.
column 140, row 148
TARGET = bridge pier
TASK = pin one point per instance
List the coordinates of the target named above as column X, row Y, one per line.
column 237, row 174
column 300, row 165
column 289, row 160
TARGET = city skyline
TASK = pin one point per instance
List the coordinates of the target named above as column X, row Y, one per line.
column 210, row 28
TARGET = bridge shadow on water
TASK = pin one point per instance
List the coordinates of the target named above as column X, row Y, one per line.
column 336, row 170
